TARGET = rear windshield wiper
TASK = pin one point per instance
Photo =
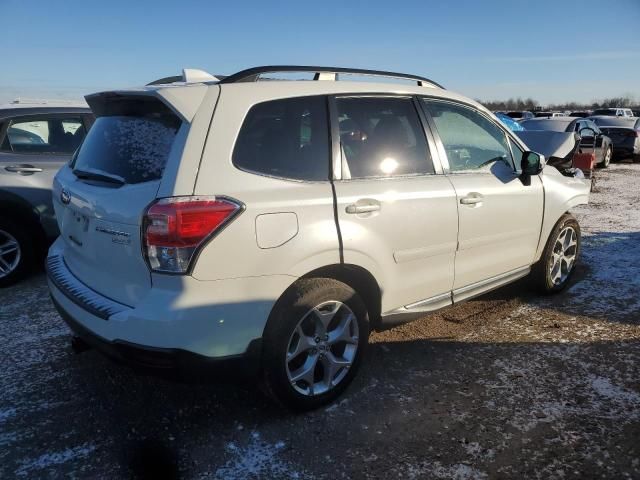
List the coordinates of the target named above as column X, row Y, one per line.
column 99, row 176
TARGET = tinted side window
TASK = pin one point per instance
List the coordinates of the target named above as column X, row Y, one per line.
column 382, row 137
column 285, row 138
column 471, row 141
column 44, row 135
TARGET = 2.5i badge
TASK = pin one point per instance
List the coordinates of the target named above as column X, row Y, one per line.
column 118, row 236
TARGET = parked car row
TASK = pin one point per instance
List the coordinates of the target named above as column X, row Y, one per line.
column 610, row 112
column 615, row 135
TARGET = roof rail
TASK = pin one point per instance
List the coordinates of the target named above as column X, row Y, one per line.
column 323, row 73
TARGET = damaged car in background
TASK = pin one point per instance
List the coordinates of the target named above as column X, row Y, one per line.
column 624, row 133
column 559, row 139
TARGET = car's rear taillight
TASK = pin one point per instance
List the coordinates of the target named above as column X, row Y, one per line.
column 635, row 134
column 175, row 228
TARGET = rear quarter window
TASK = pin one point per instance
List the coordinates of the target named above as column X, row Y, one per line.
column 286, row 138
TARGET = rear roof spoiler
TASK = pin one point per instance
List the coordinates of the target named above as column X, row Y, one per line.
column 184, row 102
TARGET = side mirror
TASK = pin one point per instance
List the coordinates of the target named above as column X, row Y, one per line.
column 532, row 164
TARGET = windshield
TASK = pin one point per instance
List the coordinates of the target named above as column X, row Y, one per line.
column 131, row 148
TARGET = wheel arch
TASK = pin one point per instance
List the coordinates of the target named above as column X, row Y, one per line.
column 561, row 194
column 17, row 209
column 361, row 280
column 358, row 278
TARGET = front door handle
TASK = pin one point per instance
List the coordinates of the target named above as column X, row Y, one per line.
column 23, row 169
column 368, row 208
column 472, row 199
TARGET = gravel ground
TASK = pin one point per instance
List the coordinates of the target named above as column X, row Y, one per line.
column 508, row 385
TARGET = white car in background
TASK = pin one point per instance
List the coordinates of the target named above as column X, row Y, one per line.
column 614, row 112
column 266, row 227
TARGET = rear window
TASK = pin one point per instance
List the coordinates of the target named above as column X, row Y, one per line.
column 134, row 148
column 548, row 125
column 614, row 122
column 605, row 111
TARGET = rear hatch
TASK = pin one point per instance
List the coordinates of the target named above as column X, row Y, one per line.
column 101, row 196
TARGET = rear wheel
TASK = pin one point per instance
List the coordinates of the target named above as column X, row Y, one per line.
column 314, row 343
column 554, row 270
column 606, row 158
column 16, row 252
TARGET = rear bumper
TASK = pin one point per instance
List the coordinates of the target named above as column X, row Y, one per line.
column 169, row 362
column 179, row 322
column 627, row 149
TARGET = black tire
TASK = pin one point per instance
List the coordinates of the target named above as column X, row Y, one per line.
column 541, row 274
column 285, row 317
column 606, row 158
column 636, row 158
column 26, row 252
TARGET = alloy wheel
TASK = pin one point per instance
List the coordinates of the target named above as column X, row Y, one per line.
column 322, row 348
column 9, row 253
column 563, row 256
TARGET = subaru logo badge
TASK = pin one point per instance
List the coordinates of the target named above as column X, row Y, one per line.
column 65, row 197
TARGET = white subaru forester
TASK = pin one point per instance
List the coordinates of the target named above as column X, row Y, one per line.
column 265, row 227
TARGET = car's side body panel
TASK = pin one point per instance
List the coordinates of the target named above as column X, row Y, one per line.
column 235, row 252
column 499, row 234
column 410, row 242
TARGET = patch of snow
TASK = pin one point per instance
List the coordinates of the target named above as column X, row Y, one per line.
column 610, row 226
column 259, row 459
column 6, row 413
column 49, row 460
column 458, row 471
column 619, row 395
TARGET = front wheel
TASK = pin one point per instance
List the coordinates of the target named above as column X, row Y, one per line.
column 314, row 342
column 556, row 266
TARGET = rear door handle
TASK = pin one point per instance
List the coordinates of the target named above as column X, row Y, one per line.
column 472, row 199
column 368, row 208
column 23, row 169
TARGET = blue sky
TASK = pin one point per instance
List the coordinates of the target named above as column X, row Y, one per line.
column 551, row 50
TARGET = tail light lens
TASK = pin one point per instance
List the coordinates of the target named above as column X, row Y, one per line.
column 635, row 133
column 175, row 228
